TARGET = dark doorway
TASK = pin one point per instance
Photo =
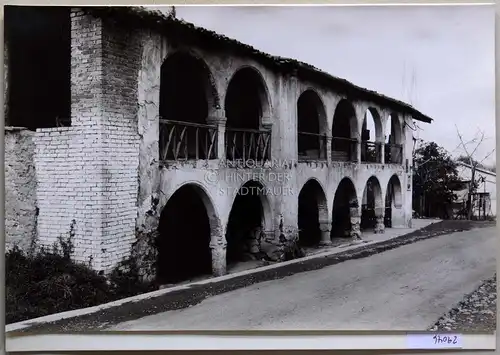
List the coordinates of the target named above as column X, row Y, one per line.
column 345, row 197
column 310, row 198
column 371, row 195
column 245, row 222
column 184, row 238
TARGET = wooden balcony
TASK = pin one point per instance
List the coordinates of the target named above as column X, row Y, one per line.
column 312, row 146
column 370, row 152
column 181, row 141
column 393, row 153
column 248, row 144
column 344, row 149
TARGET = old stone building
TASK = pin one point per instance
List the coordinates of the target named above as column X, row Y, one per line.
column 146, row 125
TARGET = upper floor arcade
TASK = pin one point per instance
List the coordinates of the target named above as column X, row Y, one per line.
column 198, row 95
column 252, row 113
column 216, row 98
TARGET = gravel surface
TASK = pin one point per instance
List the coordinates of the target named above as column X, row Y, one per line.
column 476, row 312
column 195, row 294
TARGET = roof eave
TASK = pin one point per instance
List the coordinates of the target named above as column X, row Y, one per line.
column 280, row 63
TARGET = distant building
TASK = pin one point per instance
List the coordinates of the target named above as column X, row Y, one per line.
column 484, row 199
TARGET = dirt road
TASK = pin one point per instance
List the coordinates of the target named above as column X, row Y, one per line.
column 407, row 288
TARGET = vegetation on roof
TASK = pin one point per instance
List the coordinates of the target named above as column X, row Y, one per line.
column 141, row 17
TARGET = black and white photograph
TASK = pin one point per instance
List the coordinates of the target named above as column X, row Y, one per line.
column 216, row 168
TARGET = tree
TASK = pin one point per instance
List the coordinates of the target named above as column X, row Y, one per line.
column 435, row 178
column 470, row 154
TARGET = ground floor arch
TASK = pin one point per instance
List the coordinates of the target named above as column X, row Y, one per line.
column 372, row 204
column 393, row 202
column 312, row 213
column 345, row 210
column 248, row 219
column 184, row 233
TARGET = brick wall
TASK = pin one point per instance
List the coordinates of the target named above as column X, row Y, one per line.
column 86, row 69
column 20, row 188
column 89, row 172
column 121, row 59
column 69, row 188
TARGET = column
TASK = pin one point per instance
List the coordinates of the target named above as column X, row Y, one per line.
column 218, row 246
column 328, row 148
column 325, row 228
column 288, row 240
column 379, row 226
column 382, row 153
column 355, row 216
column 357, row 151
column 220, row 122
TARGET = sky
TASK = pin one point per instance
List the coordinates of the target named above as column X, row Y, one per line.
column 440, row 59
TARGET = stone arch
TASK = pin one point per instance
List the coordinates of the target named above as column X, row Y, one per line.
column 393, row 200
column 183, row 246
column 311, row 122
column 312, row 212
column 393, row 130
column 188, row 98
column 345, row 131
column 345, row 209
column 372, row 203
column 394, row 139
column 372, row 136
column 188, row 91
column 247, row 101
column 250, row 216
column 373, row 115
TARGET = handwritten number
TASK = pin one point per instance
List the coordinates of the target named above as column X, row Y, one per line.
column 446, row 339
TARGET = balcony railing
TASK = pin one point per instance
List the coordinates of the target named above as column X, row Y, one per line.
column 248, row 144
column 370, row 152
column 344, row 149
column 312, row 146
column 187, row 141
column 393, row 153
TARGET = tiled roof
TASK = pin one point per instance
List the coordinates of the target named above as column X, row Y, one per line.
column 147, row 18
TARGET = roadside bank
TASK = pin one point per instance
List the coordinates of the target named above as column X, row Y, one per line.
column 180, row 297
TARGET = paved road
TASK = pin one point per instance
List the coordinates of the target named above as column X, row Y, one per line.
column 407, row 288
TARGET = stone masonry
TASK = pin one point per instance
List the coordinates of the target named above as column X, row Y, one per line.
column 20, row 189
column 104, row 172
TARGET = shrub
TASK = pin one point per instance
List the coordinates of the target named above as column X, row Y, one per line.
column 48, row 281
column 125, row 280
column 136, row 273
